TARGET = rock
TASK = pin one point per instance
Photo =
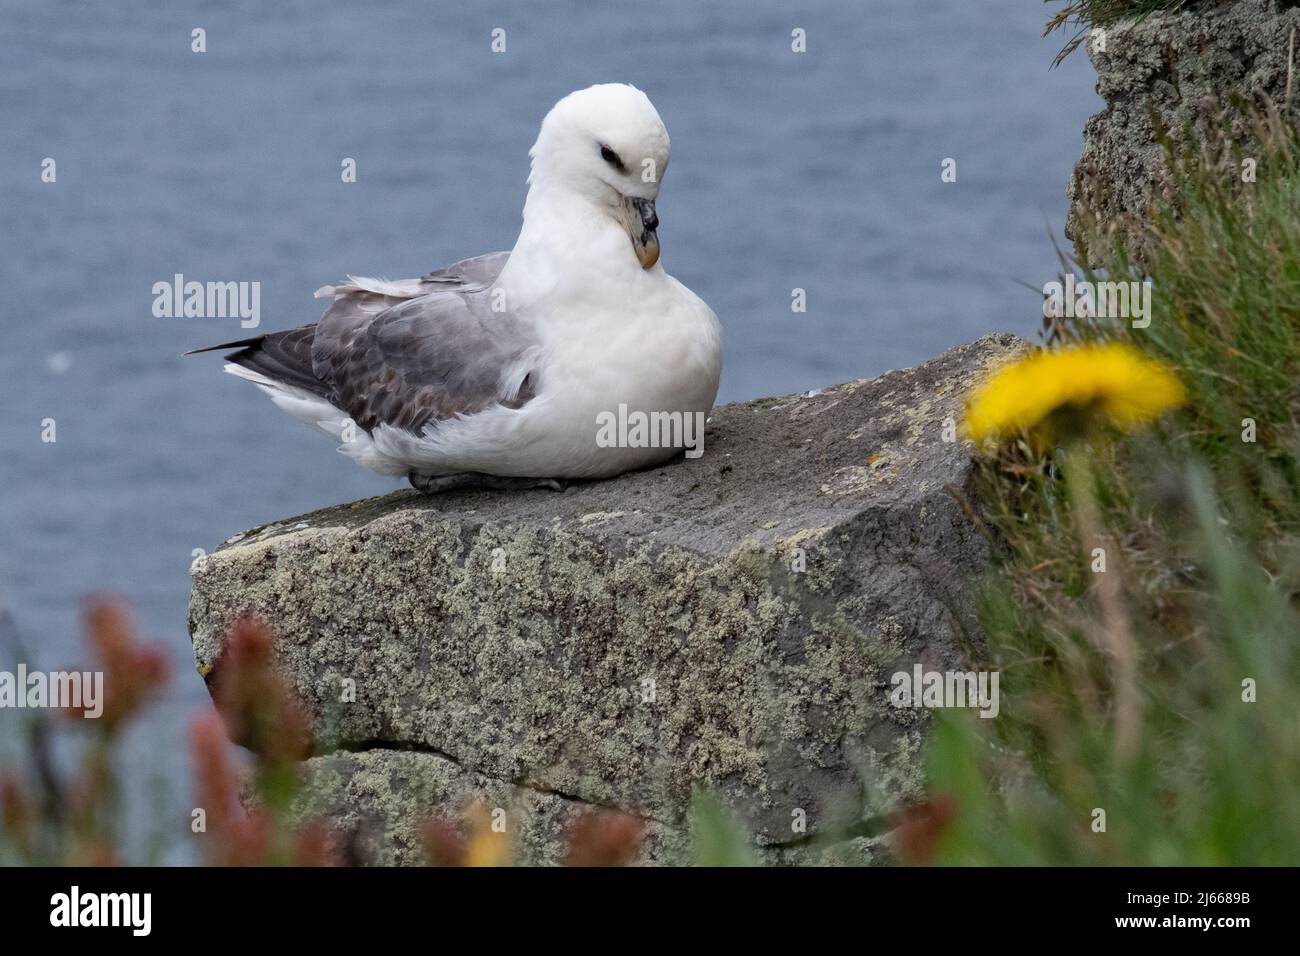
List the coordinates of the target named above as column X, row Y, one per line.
column 730, row 621
column 1185, row 69
column 381, row 799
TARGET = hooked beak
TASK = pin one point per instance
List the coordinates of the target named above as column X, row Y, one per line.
column 641, row 222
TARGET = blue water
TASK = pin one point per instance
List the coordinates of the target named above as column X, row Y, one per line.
column 818, row 170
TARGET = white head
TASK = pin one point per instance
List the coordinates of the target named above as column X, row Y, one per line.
column 606, row 146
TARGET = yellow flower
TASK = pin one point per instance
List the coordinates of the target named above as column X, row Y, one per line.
column 1074, row 387
column 486, row 846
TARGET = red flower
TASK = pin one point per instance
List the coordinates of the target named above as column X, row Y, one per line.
column 260, row 710
column 133, row 672
column 218, row 790
column 443, row 843
column 921, row 826
column 16, row 814
column 605, row 838
column 316, row 844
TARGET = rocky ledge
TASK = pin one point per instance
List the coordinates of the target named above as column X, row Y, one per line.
column 729, row 622
column 1193, row 74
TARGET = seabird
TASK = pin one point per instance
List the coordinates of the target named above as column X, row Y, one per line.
column 496, row 371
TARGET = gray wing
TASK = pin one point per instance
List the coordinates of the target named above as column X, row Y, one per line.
column 440, row 354
column 405, row 353
column 470, row 274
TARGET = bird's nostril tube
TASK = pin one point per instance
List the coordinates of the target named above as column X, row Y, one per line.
column 645, row 209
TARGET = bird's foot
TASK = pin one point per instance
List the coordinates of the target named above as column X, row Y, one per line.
column 473, row 480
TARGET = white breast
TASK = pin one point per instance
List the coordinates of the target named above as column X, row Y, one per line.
column 656, row 349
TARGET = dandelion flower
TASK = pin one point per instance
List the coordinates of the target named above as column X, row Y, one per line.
column 1072, row 389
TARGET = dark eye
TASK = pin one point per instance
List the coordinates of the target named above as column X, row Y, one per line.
column 611, row 157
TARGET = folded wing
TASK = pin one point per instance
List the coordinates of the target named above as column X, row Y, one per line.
column 407, row 353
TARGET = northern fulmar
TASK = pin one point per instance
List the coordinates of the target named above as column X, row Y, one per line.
column 507, row 369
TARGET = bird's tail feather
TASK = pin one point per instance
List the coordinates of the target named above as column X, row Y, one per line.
column 283, row 357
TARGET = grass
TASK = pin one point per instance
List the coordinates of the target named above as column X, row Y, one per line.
column 1083, row 15
column 1199, row 519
